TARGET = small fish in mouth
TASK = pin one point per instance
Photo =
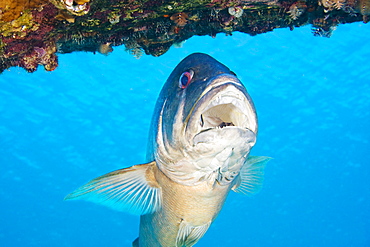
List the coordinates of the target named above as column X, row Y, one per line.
column 203, row 128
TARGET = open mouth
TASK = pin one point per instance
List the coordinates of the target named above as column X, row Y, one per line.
column 219, row 116
column 223, row 114
column 230, row 109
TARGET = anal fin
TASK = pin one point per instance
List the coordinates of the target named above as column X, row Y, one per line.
column 189, row 235
column 133, row 189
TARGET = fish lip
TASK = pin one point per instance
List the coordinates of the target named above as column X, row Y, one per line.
column 221, row 90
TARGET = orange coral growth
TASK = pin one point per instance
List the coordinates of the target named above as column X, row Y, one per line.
column 63, row 15
column 12, row 9
column 81, row 2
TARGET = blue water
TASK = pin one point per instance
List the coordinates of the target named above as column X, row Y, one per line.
column 60, row 129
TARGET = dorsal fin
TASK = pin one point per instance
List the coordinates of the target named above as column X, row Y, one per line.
column 251, row 175
column 132, row 189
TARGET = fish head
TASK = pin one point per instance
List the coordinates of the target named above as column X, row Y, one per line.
column 204, row 124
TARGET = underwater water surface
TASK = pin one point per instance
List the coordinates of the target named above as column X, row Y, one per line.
column 90, row 116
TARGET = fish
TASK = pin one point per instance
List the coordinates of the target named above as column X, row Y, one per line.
column 203, row 128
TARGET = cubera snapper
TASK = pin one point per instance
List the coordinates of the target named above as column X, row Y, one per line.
column 203, row 128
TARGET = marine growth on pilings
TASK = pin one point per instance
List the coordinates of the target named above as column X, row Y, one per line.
column 33, row 32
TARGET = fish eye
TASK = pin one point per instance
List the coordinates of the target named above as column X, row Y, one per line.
column 185, row 79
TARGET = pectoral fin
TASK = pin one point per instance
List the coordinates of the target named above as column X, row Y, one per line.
column 251, row 175
column 132, row 189
column 189, row 235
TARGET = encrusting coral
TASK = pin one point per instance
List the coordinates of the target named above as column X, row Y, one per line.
column 32, row 32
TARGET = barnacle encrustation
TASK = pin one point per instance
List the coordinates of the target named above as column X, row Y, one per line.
column 296, row 10
column 330, row 5
column 235, row 11
column 75, row 7
column 180, row 19
column 114, row 17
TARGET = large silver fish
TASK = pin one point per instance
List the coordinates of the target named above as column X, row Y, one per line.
column 203, row 128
